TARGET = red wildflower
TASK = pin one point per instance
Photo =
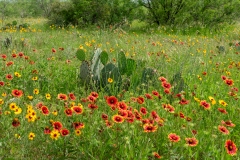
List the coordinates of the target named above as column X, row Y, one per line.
column 104, row 116
column 148, row 96
column 54, row 50
column 94, row 94
column 64, row 132
column 167, row 91
column 156, row 155
column 223, row 129
column 47, row 130
column 204, row 73
column 39, row 105
column 14, row 55
column 228, row 123
column 45, row 110
column 118, row 119
column 162, row 79
column 222, row 110
column 9, row 76
column 77, row 109
column 123, row 113
column 205, row 105
column 166, row 85
column 192, row 142
column 15, row 122
column 17, row 93
column 112, row 101
column 122, row 106
column 149, row 128
column 9, row 63
column 173, row 137
column 154, row 115
column 140, row 100
column 61, row 48
column 183, row 101
column 181, row 115
column 72, row 96
column 137, row 115
column 1, row 83
column 62, row 96
column 4, row 56
column 109, row 123
column 78, row 125
column 68, row 112
column 92, row 106
column 224, row 78
column 155, row 93
column 229, row 82
column 91, row 99
column 20, row 54
column 231, row 147
column 194, row 132
column 168, row 108
column 57, row 125
column 143, row 110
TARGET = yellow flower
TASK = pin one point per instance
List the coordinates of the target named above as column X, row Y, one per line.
column 212, row 100
column 55, row 113
column 13, row 106
column 31, row 136
column 223, row 103
column 1, row 101
column 80, row 47
column 110, row 80
column 199, row 77
column 35, row 78
column 17, row 74
column 17, row 136
column 7, row 112
column 48, row 96
column 4, row 94
column 18, row 111
column 77, row 132
column 197, row 99
column 36, row 91
column 30, row 97
column 54, row 134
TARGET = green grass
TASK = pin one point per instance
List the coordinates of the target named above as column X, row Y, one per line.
column 167, row 52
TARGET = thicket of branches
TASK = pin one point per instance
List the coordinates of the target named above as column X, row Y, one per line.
column 120, row 12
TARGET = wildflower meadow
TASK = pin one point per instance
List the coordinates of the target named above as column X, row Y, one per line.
column 157, row 94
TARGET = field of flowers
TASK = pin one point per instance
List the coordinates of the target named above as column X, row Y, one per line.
column 189, row 111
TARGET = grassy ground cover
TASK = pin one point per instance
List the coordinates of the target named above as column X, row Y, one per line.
column 190, row 111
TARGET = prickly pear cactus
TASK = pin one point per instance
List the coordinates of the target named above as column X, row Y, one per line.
column 104, row 57
column 80, row 54
column 96, row 66
column 122, row 62
column 130, row 66
column 85, row 75
column 110, row 71
column 221, row 49
column 178, row 83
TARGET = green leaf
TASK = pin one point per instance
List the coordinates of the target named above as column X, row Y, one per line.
column 130, row 66
column 104, row 57
column 81, row 54
column 122, row 62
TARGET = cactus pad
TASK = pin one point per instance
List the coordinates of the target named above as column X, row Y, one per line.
column 80, row 54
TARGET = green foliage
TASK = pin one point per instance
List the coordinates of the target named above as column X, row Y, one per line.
column 104, row 57
column 80, row 54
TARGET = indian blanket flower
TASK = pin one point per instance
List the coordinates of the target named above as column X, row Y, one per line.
column 229, row 82
column 162, row 79
column 17, row 93
column 122, row 106
column 222, row 110
column 2, row 83
column 212, row 100
column 173, row 137
column 112, row 101
column 228, row 123
column 150, row 128
column 140, row 100
column 92, row 106
column 108, row 123
column 94, row 94
column 78, row 125
column 223, row 103
column 31, row 136
column 117, row 119
column 104, row 116
column 156, row 155
column 166, row 85
column 64, row 132
column 223, row 129
column 204, row 104
column 155, row 93
column 62, row 97
column 72, row 96
column 45, row 110
column 123, row 113
column 91, row 99
column 47, row 130
column 57, row 125
column 54, row 134
column 231, row 147
column 192, row 142
column 77, row 109
column 183, row 101
column 143, row 111
column 15, row 122
column 68, row 112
